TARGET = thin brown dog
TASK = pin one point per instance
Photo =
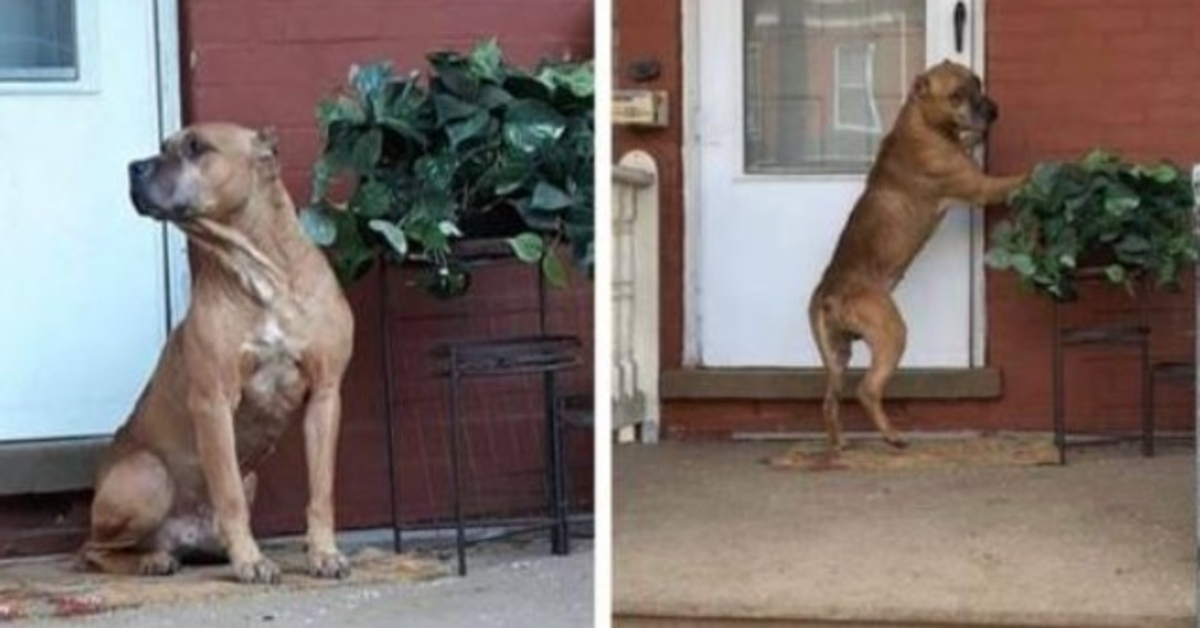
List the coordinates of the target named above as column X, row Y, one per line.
column 266, row 339
column 924, row 167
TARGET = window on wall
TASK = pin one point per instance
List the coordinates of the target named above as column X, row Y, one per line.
column 38, row 41
column 824, row 79
column 855, row 108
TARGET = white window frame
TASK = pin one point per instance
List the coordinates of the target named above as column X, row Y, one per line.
column 841, row 83
column 87, row 51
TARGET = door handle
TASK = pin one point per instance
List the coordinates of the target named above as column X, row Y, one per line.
column 960, row 25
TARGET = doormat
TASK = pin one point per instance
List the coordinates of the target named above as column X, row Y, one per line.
column 53, row 587
column 986, row 450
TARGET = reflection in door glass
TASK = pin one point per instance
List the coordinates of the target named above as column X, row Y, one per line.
column 37, row 40
column 824, row 79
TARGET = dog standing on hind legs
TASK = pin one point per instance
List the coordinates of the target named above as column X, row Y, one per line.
column 265, row 342
column 924, row 167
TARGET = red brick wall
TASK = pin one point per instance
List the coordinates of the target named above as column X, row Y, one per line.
column 1071, row 76
column 267, row 63
column 1068, row 75
column 651, row 30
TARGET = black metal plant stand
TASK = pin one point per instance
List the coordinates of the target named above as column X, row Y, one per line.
column 461, row 361
column 388, row 399
column 1134, row 333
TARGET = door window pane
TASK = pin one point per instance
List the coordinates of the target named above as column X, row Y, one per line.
column 824, row 79
column 37, row 40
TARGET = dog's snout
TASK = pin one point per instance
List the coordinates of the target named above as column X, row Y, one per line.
column 140, row 173
column 140, row 169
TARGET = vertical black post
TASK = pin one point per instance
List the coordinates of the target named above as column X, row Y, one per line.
column 460, row 539
column 1147, row 401
column 388, row 399
column 1060, row 427
column 1143, row 296
column 554, row 468
column 555, row 465
column 541, row 285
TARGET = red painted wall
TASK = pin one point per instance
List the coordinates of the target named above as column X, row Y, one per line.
column 269, row 63
column 1069, row 75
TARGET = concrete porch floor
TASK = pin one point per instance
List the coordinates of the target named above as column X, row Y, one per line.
column 512, row 583
column 706, row 532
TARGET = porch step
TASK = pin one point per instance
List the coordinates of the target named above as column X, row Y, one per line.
column 620, row 621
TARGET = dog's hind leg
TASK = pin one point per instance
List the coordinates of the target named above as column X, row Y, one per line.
column 834, row 347
column 879, row 323
column 133, row 498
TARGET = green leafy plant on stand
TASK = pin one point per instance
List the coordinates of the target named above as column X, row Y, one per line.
column 478, row 149
column 1129, row 220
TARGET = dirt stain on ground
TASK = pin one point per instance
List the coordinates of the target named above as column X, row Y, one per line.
column 55, row 587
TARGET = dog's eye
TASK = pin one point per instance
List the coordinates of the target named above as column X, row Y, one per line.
column 193, row 147
column 958, row 95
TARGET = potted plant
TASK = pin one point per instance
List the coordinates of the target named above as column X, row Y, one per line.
column 1128, row 220
column 413, row 165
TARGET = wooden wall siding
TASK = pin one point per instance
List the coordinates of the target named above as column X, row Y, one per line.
column 1068, row 76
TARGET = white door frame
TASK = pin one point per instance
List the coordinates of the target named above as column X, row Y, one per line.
column 66, row 464
column 692, row 205
column 170, row 119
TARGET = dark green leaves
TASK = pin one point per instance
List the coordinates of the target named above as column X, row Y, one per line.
column 393, row 234
column 422, row 156
column 553, row 270
column 372, row 199
column 546, row 196
column 531, row 126
column 528, row 247
column 338, row 110
column 366, row 150
column 318, row 225
column 371, row 82
column 486, row 62
column 450, row 108
column 468, row 129
column 578, row 80
column 1125, row 219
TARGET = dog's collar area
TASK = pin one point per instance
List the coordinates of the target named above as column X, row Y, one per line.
column 260, row 277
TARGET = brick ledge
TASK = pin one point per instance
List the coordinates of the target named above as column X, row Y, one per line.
column 809, row 384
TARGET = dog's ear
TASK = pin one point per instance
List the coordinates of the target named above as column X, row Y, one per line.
column 920, row 87
column 266, row 151
column 266, row 139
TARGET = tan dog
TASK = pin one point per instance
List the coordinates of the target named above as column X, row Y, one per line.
column 266, row 340
column 924, row 166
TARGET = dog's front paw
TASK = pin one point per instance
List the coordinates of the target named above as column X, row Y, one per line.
column 158, row 564
column 328, row 565
column 261, row 571
column 895, row 440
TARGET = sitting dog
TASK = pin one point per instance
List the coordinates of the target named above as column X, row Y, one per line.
column 924, row 167
column 266, row 340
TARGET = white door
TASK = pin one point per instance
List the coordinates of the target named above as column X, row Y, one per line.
column 83, row 295
column 793, row 99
